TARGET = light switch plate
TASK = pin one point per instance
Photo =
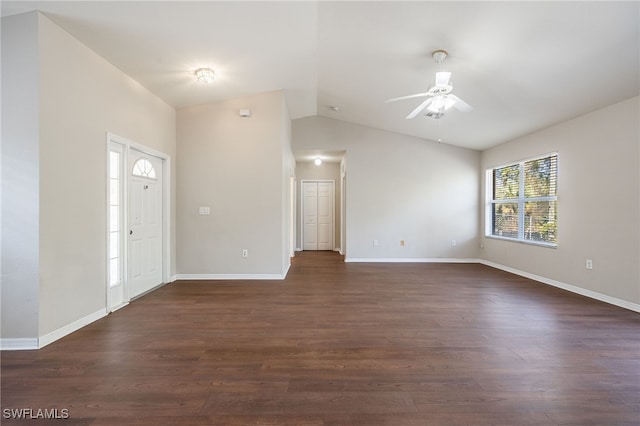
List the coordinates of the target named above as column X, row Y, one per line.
column 204, row 210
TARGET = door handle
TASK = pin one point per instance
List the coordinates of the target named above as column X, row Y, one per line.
column 130, row 231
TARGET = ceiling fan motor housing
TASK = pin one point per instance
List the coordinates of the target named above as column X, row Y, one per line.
column 440, row 90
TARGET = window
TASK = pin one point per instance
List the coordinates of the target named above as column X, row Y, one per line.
column 143, row 168
column 523, row 201
column 115, row 217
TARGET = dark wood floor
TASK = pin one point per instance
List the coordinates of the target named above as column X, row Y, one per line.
column 343, row 344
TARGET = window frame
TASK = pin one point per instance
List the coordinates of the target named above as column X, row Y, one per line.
column 521, row 201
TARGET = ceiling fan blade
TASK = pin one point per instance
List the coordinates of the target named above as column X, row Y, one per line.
column 420, row 108
column 442, row 78
column 417, row 95
column 460, row 105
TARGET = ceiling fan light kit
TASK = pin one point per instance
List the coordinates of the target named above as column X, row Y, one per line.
column 439, row 97
column 439, row 55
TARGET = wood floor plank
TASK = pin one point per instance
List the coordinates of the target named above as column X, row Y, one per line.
column 342, row 344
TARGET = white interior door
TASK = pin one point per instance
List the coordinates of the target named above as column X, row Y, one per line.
column 310, row 215
column 325, row 216
column 145, row 223
column 318, row 215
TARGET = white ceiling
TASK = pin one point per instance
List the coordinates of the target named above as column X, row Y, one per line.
column 521, row 65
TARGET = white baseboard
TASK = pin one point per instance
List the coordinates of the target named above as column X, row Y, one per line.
column 173, row 278
column 117, row 308
column 18, row 344
column 572, row 288
column 37, row 343
column 41, row 342
column 230, row 276
column 408, row 260
column 70, row 328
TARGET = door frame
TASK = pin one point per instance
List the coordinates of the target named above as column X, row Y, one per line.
column 333, row 210
column 343, row 211
column 127, row 146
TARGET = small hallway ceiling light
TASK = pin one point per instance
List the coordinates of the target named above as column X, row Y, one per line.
column 204, row 75
column 317, row 161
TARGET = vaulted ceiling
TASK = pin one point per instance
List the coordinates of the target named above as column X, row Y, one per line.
column 521, row 65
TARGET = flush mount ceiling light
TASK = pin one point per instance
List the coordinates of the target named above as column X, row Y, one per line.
column 317, row 161
column 204, row 75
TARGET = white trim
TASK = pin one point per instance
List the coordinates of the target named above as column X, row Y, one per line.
column 286, row 271
column 173, row 278
column 20, row 344
column 119, row 307
column 166, row 217
column 529, row 242
column 409, row 260
column 568, row 287
column 34, row 343
column 166, row 208
column 151, row 290
column 572, row 288
column 231, row 276
column 70, row 328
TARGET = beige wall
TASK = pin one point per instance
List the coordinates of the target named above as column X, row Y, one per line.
column 401, row 188
column 598, row 202
column 237, row 167
column 325, row 171
column 20, row 179
column 81, row 97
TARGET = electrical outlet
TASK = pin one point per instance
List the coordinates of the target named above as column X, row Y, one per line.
column 401, row 243
column 589, row 264
column 245, row 253
column 376, row 243
column 453, row 243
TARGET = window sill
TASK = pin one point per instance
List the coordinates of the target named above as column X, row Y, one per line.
column 527, row 242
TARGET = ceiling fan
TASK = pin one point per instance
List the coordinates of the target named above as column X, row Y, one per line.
column 439, row 97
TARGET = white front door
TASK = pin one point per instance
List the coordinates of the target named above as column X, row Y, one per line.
column 317, row 212
column 145, row 223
